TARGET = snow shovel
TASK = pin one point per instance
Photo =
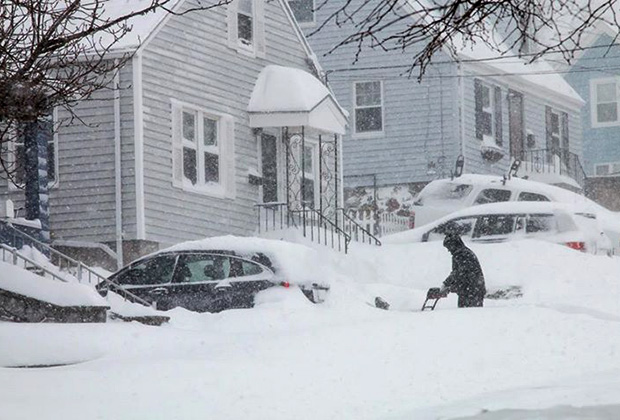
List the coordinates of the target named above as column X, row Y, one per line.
column 433, row 295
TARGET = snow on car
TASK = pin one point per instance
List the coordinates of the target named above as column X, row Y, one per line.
column 216, row 274
column 571, row 225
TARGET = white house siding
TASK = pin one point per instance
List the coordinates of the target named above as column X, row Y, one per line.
column 420, row 119
column 534, row 116
column 189, row 60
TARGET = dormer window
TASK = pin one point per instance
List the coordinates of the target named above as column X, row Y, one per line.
column 246, row 27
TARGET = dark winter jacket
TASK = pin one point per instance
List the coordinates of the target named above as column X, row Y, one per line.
column 466, row 278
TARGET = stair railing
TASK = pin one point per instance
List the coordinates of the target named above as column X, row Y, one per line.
column 75, row 268
column 19, row 260
column 357, row 232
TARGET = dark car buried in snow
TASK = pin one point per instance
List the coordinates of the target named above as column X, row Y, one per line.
column 204, row 280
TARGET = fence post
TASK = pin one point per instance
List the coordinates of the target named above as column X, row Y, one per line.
column 79, row 273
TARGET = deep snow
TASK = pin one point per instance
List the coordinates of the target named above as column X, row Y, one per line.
column 555, row 349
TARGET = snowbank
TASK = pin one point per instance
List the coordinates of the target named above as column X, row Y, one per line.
column 20, row 281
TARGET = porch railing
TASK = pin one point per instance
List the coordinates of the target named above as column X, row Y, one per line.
column 554, row 161
column 312, row 223
column 380, row 224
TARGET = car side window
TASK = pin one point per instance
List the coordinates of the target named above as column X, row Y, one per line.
column 251, row 269
column 495, row 224
column 539, row 223
column 463, row 227
column 492, row 195
column 195, row 268
column 157, row 270
column 528, row 196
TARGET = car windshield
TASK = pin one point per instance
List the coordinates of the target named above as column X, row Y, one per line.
column 443, row 193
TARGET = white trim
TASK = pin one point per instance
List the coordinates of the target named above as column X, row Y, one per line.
column 594, row 102
column 300, row 35
column 138, row 119
column 610, row 171
column 219, row 189
column 118, row 181
column 157, row 28
column 366, row 134
column 461, row 82
column 516, row 82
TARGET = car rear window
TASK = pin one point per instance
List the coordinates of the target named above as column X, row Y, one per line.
column 496, row 224
column 529, row 196
column 492, row 195
column 540, row 223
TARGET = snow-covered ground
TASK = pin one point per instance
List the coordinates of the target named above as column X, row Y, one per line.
column 552, row 354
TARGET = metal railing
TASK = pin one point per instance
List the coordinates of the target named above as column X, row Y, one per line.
column 67, row 264
column 358, row 232
column 554, row 161
column 313, row 225
column 19, row 260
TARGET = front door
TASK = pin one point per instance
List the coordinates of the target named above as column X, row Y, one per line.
column 515, row 111
column 269, row 160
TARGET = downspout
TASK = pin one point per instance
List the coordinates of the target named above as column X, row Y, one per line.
column 117, row 168
column 462, row 111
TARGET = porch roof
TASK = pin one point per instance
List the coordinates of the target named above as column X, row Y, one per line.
column 288, row 97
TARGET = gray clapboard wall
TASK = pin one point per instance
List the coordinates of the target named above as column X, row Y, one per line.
column 189, row 60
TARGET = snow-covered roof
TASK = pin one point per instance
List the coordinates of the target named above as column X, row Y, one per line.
column 539, row 73
column 141, row 26
column 286, row 96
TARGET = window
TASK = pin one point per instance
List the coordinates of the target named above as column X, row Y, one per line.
column 202, row 267
column 557, row 133
column 309, row 177
column 17, row 154
column 463, row 227
column 494, row 225
column 156, row 270
column 203, row 156
column 303, row 10
column 492, row 195
column 539, row 223
column 368, row 107
column 246, row 27
column 604, row 102
column 488, row 103
column 607, row 169
column 245, row 19
column 528, row 196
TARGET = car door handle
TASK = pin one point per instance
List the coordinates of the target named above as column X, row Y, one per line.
column 223, row 286
column 159, row 291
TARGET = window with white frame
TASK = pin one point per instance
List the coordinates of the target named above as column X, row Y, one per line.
column 16, row 155
column 303, row 10
column 607, row 169
column 246, row 26
column 604, row 97
column 203, row 159
column 488, row 109
column 245, row 22
column 368, row 107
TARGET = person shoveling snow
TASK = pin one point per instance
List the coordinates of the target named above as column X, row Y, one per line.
column 466, row 278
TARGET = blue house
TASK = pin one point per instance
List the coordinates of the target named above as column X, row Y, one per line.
column 595, row 75
column 405, row 133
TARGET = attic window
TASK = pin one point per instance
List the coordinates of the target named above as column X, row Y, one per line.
column 245, row 20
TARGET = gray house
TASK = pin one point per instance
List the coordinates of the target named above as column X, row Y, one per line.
column 595, row 75
column 488, row 109
column 173, row 151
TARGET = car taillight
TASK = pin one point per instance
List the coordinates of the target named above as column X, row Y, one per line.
column 285, row 284
column 579, row 246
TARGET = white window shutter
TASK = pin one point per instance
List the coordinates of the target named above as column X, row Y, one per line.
column 259, row 27
column 232, row 25
column 177, row 146
column 228, row 155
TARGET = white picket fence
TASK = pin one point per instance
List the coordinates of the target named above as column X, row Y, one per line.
column 384, row 224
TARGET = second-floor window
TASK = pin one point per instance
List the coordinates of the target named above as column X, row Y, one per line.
column 303, row 10
column 557, row 132
column 245, row 22
column 488, row 112
column 604, row 97
column 368, row 107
